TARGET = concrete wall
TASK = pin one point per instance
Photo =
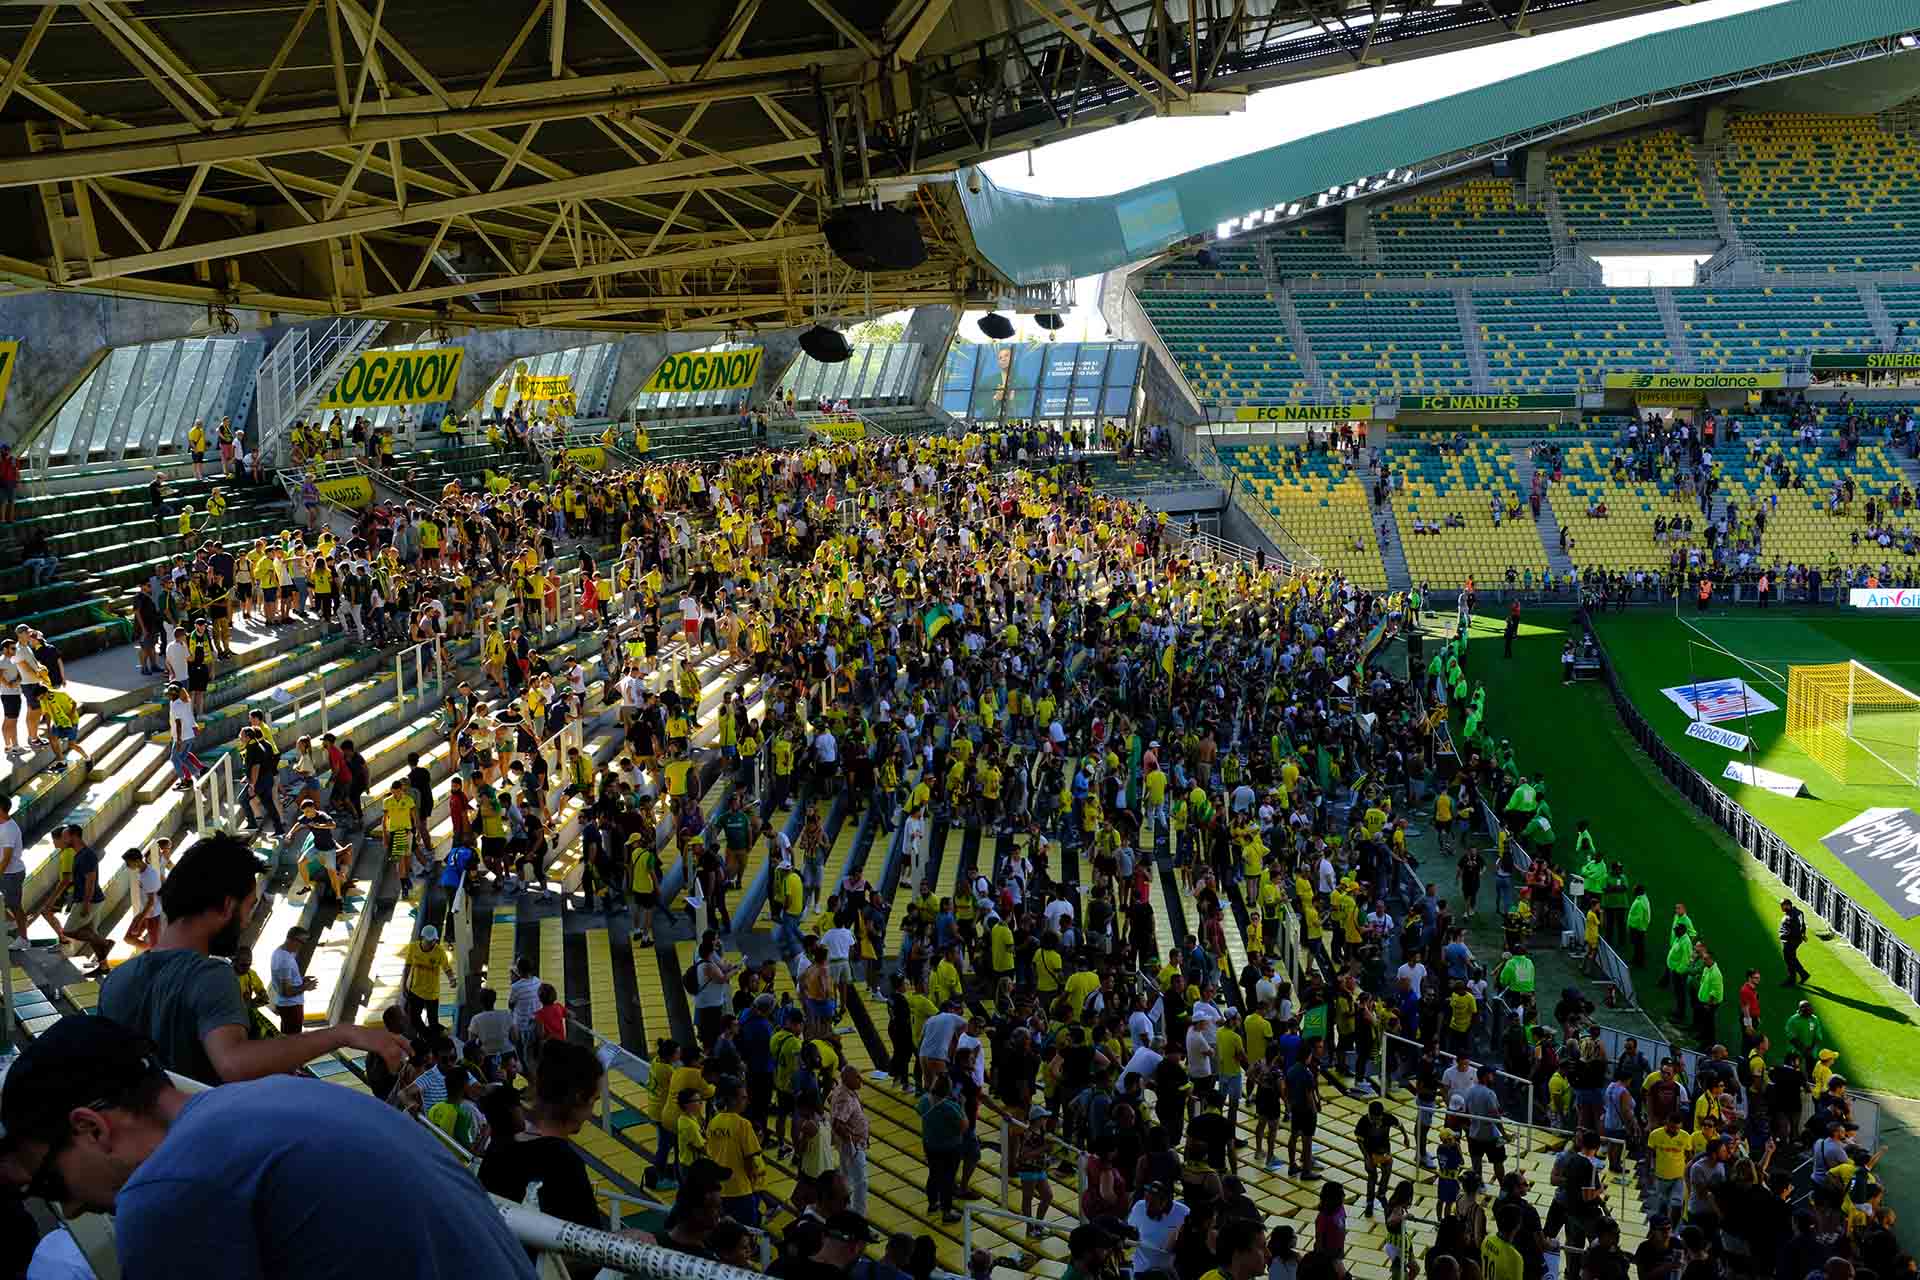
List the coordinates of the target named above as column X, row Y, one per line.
column 63, row 335
column 933, row 328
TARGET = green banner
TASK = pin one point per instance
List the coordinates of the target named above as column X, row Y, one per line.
column 1486, row 404
column 1863, row 361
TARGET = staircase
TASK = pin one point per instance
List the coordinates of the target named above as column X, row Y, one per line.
column 1547, row 522
column 1676, row 329
column 1563, row 250
column 1392, row 554
column 1297, row 335
column 1716, row 195
column 301, row 368
column 1470, row 333
column 1876, row 309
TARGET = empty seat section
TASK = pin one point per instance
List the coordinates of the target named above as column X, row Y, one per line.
column 1231, row 346
column 1823, row 193
column 1379, row 344
column 1466, row 485
column 1473, row 228
column 1313, row 250
column 1317, row 500
column 1638, row 188
column 1753, row 328
column 1537, row 342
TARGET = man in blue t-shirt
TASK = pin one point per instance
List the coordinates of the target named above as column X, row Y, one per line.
column 282, row 1177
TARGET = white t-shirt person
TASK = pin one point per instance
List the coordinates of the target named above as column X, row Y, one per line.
column 180, row 721
column 1155, row 1234
column 284, row 969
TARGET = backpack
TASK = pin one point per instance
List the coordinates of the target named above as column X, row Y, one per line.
column 691, row 979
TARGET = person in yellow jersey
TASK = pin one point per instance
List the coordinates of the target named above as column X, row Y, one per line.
column 398, row 820
column 734, row 1144
column 690, row 1135
column 197, row 448
column 426, row 961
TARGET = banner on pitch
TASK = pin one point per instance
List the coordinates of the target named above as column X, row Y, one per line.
column 1717, row 736
column 1695, row 381
column 1717, row 700
column 1302, row 412
column 382, row 378
column 1781, row 784
column 1882, row 847
column 707, row 371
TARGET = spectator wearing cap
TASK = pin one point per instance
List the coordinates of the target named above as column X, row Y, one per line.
column 181, row 994
column 255, row 1178
column 425, row 961
column 843, row 1242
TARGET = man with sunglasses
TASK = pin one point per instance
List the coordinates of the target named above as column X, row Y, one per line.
column 284, row 1177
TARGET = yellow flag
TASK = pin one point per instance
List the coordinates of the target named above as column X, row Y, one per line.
column 1166, row 661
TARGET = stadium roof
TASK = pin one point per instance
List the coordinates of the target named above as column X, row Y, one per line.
column 597, row 163
column 1031, row 238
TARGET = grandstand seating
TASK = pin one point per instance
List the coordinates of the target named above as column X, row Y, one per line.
column 1372, row 344
column 1436, row 485
column 1823, row 193
column 1138, row 475
column 1317, row 500
column 1236, row 259
column 1473, row 228
column 1623, row 540
column 1643, row 187
column 1751, row 328
column 108, row 542
column 1902, row 302
column 1548, row 342
column 1230, row 346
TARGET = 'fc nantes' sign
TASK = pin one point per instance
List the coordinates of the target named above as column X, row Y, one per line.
column 1486, row 404
column 707, row 371
column 1862, row 360
column 348, row 491
column 1302, row 412
column 397, row 377
column 1694, row 381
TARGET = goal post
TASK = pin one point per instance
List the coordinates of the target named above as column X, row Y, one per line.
column 1855, row 723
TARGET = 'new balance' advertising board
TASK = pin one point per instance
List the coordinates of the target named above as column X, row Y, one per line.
column 1693, row 381
column 380, row 378
column 1302, row 412
column 1882, row 847
column 707, row 371
column 1884, row 598
column 1717, row 700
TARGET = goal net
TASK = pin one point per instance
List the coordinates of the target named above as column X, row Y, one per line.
column 1856, row 724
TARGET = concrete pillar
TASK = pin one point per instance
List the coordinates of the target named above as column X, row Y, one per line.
column 933, row 328
column 1713, row 126
column 1356, row 226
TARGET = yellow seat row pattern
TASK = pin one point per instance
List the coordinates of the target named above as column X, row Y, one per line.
column 1644, row 187
column 1318, row 502
column 1823, row 193
column 1467, row 484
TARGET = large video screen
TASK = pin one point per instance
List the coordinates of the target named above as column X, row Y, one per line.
column 1002, row 381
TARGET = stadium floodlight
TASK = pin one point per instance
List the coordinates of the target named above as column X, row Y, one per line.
column 1908, row 42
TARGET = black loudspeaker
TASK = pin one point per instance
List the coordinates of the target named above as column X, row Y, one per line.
column 1503, row 165
column 828, row 346
column 1049, row 321
column 996, row 326
column 1205, row 258
column 876, row 239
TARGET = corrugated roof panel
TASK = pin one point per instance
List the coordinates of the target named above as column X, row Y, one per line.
column 1035, row 238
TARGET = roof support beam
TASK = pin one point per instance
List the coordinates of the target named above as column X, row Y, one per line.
column 912, row 23
column 18, row 71
column 1089, row 48
column 838, row 21
column 155, row 75
column 280, row 56
column 1125, row 44
column 630, row 38
column 600, row 270
column 157, row 51
column 557, row 40
column 81, row 159
column 646, row 179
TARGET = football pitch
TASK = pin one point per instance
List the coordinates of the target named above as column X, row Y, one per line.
column 1571, row 736
column 1652, row 650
